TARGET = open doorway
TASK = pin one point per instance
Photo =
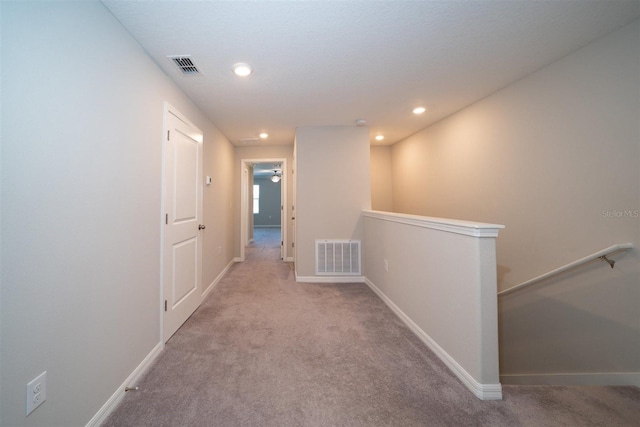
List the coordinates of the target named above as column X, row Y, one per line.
column 266, row 205
column 263, row 198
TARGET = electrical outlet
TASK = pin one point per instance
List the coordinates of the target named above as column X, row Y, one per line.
column 219, row 250
column 386, row 265
column 36, row 392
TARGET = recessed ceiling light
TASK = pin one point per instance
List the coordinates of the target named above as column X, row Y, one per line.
column 264, row 135
column 241, row 69
column 379, row 137
column 419, row 110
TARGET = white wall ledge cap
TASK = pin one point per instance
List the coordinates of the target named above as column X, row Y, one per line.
column 468, row 228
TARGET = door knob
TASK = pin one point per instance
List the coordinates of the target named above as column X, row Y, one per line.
column 293, row 217
column 201, row 226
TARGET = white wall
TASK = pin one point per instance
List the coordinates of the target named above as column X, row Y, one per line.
column 1, row 133
column 381, row 178
column 439, row 276
column 549, row 157
column 219, row 216
column 82, row 115
column 333, row 185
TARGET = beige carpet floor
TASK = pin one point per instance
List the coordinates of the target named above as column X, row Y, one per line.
column 263, row 350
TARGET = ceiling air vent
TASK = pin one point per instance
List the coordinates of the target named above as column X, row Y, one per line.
column 185, row 64
column 249, row 141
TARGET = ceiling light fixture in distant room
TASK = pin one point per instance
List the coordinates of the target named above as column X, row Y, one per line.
column 379, row 137
column 419, row 110
column 275, row 177
column 264, row 135
column 241, row 69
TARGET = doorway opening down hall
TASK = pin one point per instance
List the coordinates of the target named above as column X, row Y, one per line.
column 266, row 206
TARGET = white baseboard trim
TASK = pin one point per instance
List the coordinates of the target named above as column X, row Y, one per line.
column 330, row 279
column 137, row 373
column 481, row 391
column 217, row 279
column 599, row 379
column 237, row 259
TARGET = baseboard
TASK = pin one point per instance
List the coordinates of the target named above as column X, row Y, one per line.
column 481, row 391
column 330, row 279
column 137, row 373
column 598, row 379
column 217, row 279
column 237, row 259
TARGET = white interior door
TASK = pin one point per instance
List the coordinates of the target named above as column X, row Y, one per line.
column 182, row 250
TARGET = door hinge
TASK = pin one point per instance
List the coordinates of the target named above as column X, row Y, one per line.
column 281, row 243
column 293, row 244
column 166, row 219
column 168, row 135
column 165, row 305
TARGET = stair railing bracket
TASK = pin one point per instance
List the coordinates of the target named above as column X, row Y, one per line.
column 610, row 261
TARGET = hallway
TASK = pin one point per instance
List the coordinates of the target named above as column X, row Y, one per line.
column 263, row 350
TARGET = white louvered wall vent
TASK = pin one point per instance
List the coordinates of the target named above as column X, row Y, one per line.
column 249, row 141
column 186, row 65
column 338, row 257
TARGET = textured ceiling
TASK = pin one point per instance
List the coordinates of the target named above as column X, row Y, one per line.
column 322, row 63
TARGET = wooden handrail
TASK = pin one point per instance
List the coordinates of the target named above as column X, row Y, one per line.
column 597, row 255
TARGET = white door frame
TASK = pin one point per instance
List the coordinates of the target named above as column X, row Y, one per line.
column 244, row 202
